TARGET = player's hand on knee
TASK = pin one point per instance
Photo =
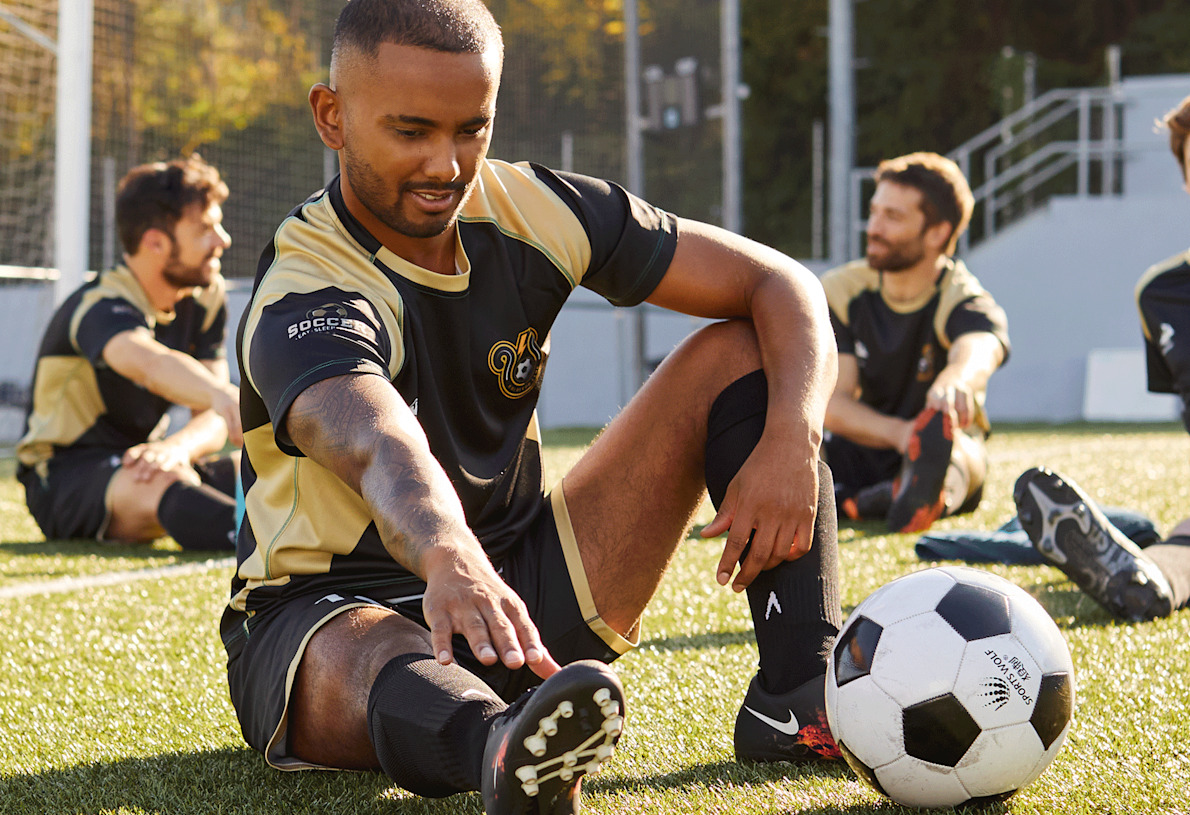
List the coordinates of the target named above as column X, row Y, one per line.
column 768, row 513
column 151, row 460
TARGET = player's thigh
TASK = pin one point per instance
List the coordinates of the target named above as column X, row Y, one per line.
column 67, row 495
column 300, row 670
column 632, row 495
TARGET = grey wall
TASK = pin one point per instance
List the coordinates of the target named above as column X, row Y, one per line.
column 1066, row 275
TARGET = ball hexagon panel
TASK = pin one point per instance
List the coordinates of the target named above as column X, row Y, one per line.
column 906, row 597
column 999, row 760
column 867, row 720
column 998, row 681
column 975, row 611
column 939, row 730
column 855, row 648
column 1054, row 707
column 916, row 783
column 918, row 658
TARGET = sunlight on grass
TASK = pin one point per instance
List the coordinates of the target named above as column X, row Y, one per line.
column 114, row 699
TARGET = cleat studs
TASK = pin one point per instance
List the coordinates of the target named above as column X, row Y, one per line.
column 610, row 709
column 528, row 773
column 566, row 709
column 535, row 745
column 569, row 760
column 614, row 726
column 530, row 789
column 602, row 696
column 565, row 774
column 549, row 726
column 603, row 752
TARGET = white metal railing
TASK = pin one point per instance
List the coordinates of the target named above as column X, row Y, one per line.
column 1011, row 164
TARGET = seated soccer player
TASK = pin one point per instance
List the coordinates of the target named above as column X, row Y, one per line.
column 95, row 460
column 403, row 576
column 918, row 339
column 1063, row 522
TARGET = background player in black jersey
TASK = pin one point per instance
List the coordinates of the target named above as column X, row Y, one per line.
column 401, row 575
column 918, row 339
column 1063, row 522
column 117, row 354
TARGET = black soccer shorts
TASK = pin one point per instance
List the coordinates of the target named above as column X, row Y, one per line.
column 546, row 571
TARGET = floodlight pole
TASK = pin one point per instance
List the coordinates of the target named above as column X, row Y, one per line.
column 842, row 124
column 729, row 47
column 72, row 145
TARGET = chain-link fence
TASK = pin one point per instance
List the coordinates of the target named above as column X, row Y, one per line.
column 229, row 80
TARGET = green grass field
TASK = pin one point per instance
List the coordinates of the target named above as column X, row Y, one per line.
column 113, row 697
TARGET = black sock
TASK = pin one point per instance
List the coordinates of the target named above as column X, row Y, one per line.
column 429, row 724
column 1172, row 556
column 198, row 518
column 795, row 606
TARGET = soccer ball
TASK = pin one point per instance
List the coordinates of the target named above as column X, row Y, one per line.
column 949, row 686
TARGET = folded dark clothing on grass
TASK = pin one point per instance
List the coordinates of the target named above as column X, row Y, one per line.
column 1009, row 544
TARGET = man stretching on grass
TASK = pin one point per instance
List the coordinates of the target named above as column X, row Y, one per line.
column 1062, row 521
column 402, row 574
column 918, row 340
column 95, row 461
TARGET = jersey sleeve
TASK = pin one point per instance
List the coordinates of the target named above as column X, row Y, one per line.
column 843, row 337
column 212, row 340
column 632, row 241
column 979, row 314
column 303, row 338
column 103, row 320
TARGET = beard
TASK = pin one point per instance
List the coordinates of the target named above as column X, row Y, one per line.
column 186, row 276
column 370, row 189
column 897, row 257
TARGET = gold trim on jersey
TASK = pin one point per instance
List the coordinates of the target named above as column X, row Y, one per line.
column 1152, row 272
column 564, row 242
column 578, row 579
column 66, row 403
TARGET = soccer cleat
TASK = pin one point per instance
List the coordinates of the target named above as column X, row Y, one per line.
column 785, row 727
column 1072, row 533
column 920, row 497
column 540, row 747
column 870, row 503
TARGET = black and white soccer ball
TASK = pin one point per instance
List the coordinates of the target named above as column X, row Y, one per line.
column 949, row 686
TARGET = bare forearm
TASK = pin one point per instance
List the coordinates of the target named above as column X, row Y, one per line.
column 864, row 425
column 371, row 441
column 204, row 434
column 184, row 380
column 797, row 350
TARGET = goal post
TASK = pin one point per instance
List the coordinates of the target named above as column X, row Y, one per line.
column 72, row 147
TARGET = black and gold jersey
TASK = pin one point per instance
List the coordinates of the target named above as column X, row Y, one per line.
column 77, row 400
column 901, row 348
column 1163, row 298
column 465, row 351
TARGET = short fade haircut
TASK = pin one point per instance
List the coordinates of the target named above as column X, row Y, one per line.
column 945, row 194
column 157, row 195
column 1177, row 122
column 452, row 26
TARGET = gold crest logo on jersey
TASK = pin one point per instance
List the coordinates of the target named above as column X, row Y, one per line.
column 516, row 366
column 925, row 365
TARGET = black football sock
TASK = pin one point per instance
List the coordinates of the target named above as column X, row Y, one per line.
column 429, row 724
column 198, row 517
column 1172, row 556
column 795, row 606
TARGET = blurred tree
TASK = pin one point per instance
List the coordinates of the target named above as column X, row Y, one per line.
column 189, row 71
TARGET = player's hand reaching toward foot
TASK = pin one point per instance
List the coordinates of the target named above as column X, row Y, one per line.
column 464, row 595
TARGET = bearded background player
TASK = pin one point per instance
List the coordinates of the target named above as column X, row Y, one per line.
column 95, row 460
column 918, row 338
